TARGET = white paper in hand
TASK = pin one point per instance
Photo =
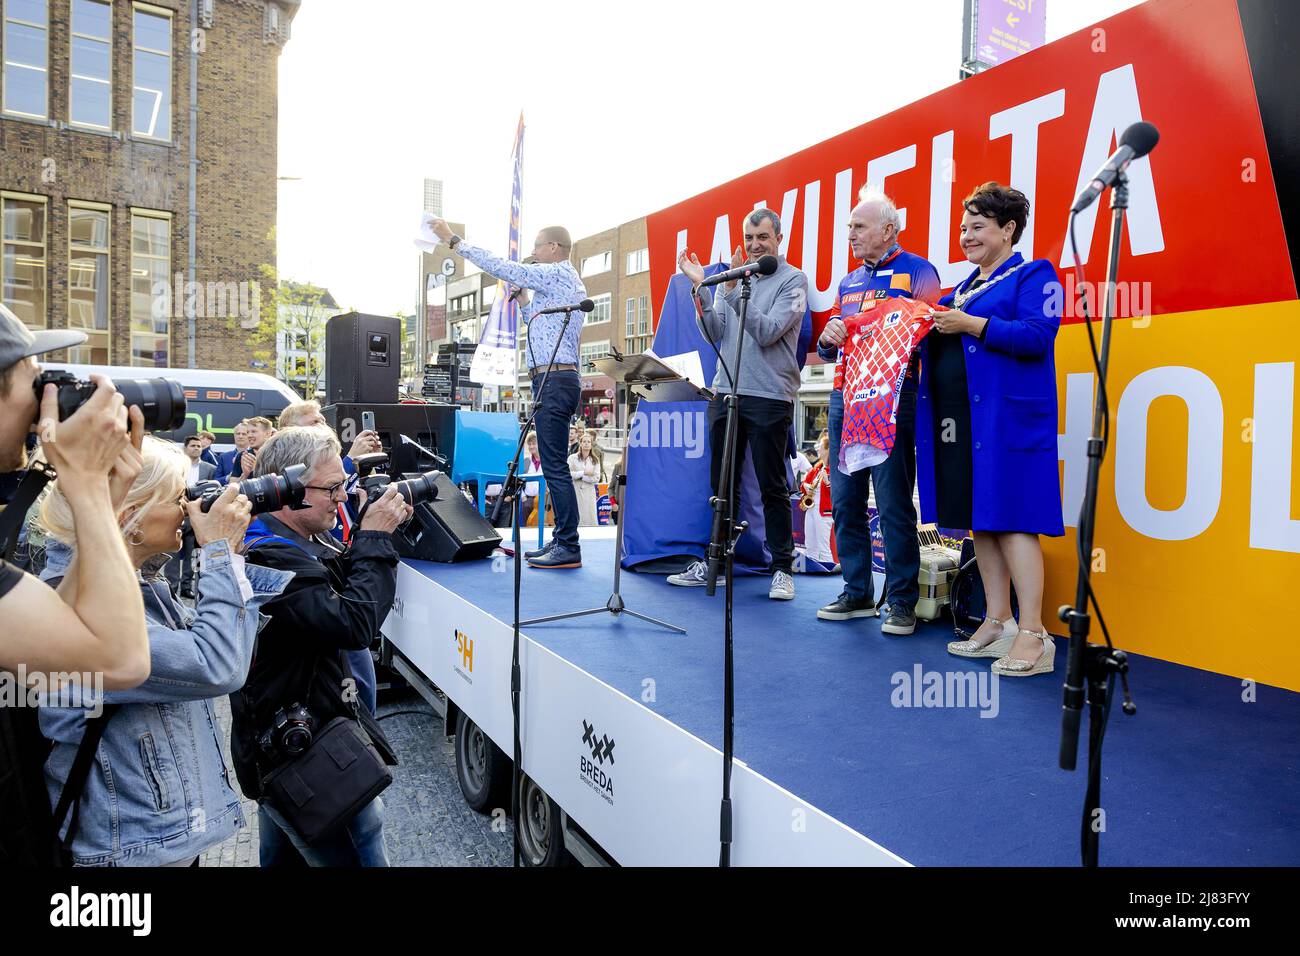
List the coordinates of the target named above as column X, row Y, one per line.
column 426, row 239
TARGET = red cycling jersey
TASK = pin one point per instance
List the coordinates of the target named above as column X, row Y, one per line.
column 879, row 342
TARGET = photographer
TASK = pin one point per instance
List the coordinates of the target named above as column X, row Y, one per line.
column 98, row 625
column 167, row 797
column 308, row 414
column 336, row 602
column 259, row 430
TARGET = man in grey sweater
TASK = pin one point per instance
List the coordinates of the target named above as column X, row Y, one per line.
column 768, row 380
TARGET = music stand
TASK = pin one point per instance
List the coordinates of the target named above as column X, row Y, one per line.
column 656, row 382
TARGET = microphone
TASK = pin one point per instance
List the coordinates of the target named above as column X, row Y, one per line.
column 586, row 305
column 1138, row 140
column 763, row 267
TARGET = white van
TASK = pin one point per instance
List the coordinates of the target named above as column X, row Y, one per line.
column 215, row 400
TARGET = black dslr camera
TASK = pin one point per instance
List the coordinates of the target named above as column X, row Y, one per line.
column 290, row 734
column 415, row 488
column 161, row 399
column 267, row 493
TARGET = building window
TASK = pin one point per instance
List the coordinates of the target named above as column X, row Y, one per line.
column 814, row 420
column 463, row 306
column 276, row 26
column 590, row 351
column 595, row 265
column 26, row 58
column 91, row 87
column 22, row 268
column 638, row 261
column 643, row 316
column 88, row 227
column 151, row 266
column 602, row 312
column 630, row 329
column 152, row 102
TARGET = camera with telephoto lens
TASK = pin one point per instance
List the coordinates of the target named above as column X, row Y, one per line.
column 265, row 493
column 290, row 733
column 416, row 489
column 161, row 399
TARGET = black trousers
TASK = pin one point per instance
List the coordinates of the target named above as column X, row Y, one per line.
column 762, row 425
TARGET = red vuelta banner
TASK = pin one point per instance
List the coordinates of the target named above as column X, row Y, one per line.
column 1204, row 229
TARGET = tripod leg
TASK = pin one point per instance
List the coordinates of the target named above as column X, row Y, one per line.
column 652, row 620
column 565, row 616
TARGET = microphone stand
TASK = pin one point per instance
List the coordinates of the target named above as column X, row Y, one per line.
column 615, row 604
column 512, row 489
column 1096, row 664
column 722, row 552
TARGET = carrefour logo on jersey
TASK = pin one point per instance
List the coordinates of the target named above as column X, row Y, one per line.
column 869, row 394
column 595, row 770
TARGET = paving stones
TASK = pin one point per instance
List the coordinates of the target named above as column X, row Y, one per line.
column 426, row 821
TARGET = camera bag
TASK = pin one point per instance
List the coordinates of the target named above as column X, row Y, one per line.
column 332, row 781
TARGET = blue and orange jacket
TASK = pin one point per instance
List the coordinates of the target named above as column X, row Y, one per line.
column 897, row 273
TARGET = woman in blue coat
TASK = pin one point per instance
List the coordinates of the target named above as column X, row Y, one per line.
column 986, row 426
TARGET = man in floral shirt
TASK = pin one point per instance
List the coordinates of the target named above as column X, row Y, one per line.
column 549, row 273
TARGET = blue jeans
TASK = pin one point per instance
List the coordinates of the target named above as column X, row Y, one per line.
column 359, row 843
column 559, row 405
column 362, row 665
column 894, row 479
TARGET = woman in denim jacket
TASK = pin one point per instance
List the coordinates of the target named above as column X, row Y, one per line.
column 159, row 793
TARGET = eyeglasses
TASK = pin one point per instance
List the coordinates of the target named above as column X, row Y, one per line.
column 332, row 490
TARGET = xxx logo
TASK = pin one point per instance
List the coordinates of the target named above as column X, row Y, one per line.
column 602, row 749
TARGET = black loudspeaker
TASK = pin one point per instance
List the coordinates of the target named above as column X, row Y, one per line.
column 432, row 425
column 447, row 530
column 363, row 358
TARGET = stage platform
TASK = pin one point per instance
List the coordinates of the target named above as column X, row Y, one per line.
column 1199, row 777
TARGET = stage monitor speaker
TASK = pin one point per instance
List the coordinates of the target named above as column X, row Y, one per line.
column 447, row 530
column 432, row 425
column 363, row 358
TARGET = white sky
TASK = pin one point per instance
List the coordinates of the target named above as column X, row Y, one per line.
column 617, row 98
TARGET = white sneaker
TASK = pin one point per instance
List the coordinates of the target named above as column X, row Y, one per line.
column 782, row 586
column 696, row 576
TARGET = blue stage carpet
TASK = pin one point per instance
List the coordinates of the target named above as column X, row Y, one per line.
column 1197, row 778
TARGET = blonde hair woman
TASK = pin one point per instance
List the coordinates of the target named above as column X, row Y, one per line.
column 586, row 471
column 158, row 793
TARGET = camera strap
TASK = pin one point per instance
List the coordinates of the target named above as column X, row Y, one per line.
column 34, row 481
column 70, row 795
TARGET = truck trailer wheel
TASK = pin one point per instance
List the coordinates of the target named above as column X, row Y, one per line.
column 482, row 769
column 541, row 833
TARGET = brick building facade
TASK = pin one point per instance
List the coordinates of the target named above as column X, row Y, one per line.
column 95, row 138
column 615, row 268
